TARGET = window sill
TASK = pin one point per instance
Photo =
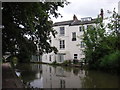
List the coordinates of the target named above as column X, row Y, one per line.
column 62, row 49
column 73, row 39
column 61, row 35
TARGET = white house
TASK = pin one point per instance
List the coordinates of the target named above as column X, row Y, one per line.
column 67, row 40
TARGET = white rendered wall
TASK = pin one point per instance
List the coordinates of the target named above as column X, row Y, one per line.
column 71, row 47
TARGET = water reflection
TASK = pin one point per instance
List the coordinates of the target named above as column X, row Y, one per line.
column 31, row 74
column 95, row 79
column 45, row 76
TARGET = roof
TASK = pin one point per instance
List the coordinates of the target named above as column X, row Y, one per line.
column 74, row 22
column 63, row 23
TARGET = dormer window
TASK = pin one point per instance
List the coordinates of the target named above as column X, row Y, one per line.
column 62, row 31
column 86, row 19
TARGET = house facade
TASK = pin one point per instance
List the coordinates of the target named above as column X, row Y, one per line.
column 68, row 40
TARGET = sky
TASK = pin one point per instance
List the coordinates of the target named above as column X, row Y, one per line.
column 86, row 8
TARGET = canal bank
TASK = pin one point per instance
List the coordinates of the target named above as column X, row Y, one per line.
column 9, row 78
column 80, row 65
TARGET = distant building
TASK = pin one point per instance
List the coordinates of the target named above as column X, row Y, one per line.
column 67, row 40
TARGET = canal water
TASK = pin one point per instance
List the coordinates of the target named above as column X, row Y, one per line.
column 46, row 76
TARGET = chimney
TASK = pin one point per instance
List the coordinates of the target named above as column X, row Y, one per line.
column 101, row 13
column 75, row 18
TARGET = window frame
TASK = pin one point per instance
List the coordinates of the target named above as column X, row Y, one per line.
column 61, row 58
column 82, row 45
column 81, row 28
column 62, row 44
column 75, row 56
column 62, row 31
column 50, row 58
column 74, row 36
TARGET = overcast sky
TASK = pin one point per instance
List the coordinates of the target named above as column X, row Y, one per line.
column 86, row 8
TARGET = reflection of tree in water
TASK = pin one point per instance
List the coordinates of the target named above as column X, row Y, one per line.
column 67, row 69
column 96, row 79
column 28, row 74
column 76, row 71
column 23, row 67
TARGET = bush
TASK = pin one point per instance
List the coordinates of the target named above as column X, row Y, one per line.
column 75, row 61
column 54, row 62
column 66, row 62
column 111, row 61
column 24, row 57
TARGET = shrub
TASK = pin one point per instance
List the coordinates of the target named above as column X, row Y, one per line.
column 75, row 61
column 111, row 61
column 54, row 62
column 66, row 62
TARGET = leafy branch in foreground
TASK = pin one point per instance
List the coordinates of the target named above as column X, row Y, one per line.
column 26, row 27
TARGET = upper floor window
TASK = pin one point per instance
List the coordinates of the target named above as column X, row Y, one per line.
column 74, row 36
column 88, row 26
column 81, row 28
column 62, row 31
column 82, row 44
column 62, row 44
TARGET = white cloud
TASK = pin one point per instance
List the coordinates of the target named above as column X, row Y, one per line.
column 86, row 8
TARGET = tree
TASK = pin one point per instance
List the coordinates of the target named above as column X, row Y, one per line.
column 102, row 47
column 26, row 26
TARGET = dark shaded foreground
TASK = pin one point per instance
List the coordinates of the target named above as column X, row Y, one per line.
column 9, row 78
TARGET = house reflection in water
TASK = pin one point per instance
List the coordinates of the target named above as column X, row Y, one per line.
column 60, row 78
column 46, row 76
column 38, row 82
column 36, row 58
